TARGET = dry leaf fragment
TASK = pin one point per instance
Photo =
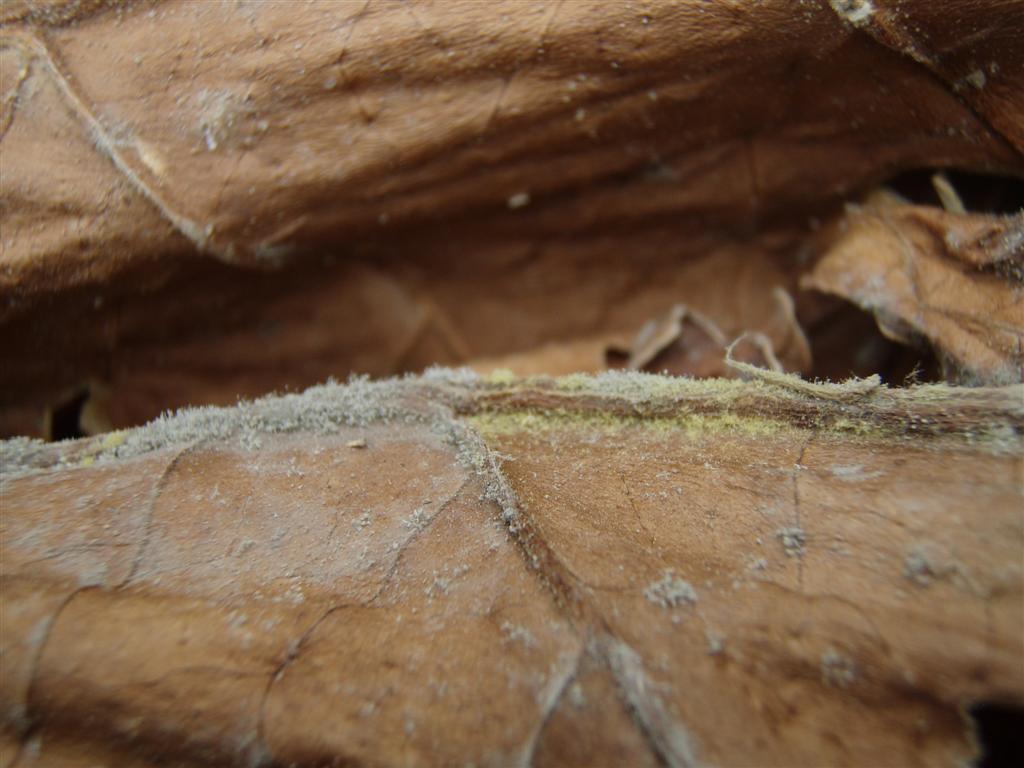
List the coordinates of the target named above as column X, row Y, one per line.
column 685, row 342
column 952, row 279
column 682, row 342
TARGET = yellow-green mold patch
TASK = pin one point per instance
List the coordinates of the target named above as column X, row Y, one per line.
column 500, row 377
column 113, row 439
column 538, row 421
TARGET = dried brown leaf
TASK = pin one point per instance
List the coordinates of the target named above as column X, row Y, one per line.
column 685, row 342
column 618, row 570
column 141, row 139
column 952, row 279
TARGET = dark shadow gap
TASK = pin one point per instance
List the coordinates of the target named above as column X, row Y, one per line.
column 1000, row 733
column 979, row 192
column 845, row 341
column 66, row 418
